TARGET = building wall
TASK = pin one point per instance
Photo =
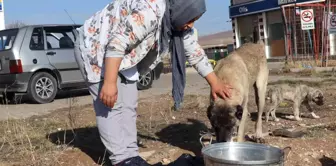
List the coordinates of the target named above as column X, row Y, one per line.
column 249, row 28
column 269, row 23
column 236, row 2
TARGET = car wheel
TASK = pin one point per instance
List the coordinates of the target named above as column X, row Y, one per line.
column 42, row 88
column 145, row 81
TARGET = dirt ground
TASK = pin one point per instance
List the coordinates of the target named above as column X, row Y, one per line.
column 68, row 137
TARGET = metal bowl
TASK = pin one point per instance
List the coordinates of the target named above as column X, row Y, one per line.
column 234, row 153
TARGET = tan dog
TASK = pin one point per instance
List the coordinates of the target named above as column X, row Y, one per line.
column 242, row 69
column 299, row 94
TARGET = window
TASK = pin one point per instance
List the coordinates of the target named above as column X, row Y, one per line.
column 36, row 41
column 276, row 31
column 59, row 37
column 7, row 38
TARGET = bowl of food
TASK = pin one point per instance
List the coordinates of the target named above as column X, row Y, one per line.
column 243, row 153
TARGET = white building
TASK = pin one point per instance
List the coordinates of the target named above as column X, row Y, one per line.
column 263, row 19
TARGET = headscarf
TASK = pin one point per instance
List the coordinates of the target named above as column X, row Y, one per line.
column 177, row 14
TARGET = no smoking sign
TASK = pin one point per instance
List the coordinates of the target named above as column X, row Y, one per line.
column 332, row 24
column 307, row 19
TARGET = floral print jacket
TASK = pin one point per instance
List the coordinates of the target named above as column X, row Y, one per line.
column 131, row 29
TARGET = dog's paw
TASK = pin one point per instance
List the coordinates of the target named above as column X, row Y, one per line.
column 260, row 140
column 289, row 117
column 315, row 116
column 298, row 119
column 256, row 139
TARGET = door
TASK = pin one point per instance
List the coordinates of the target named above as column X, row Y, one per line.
column 32, row 52
column 277, row 40
column 60, row 52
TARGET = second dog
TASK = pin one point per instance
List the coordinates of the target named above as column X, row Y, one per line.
column 300, row 94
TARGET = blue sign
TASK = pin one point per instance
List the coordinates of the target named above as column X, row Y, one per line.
column 259, row 6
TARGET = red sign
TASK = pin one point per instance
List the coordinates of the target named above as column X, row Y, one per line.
column 307, row 16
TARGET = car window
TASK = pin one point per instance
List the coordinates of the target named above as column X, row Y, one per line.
column 59, row 37
column 7, row 38
column 36, row 40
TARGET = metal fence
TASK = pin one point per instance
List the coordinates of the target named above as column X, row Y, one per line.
column 313, row 47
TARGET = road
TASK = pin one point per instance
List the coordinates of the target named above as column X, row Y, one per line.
column 161, row 86
column 195, row 85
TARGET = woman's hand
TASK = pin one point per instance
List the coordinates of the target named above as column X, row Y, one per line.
column 109, row 94
column 218, row 89
column 221, row 90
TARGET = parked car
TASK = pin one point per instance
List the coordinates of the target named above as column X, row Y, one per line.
column 38, row 61
column 146, row 80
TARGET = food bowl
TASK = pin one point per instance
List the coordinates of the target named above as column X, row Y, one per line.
column 234, row 154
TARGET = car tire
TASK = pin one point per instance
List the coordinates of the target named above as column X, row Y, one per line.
column 145, row 81
column 42, row 88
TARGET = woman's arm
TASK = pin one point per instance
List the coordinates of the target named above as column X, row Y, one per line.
column 199, row 60
column 138, row 24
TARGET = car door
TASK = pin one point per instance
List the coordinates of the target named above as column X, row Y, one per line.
column 60, row 52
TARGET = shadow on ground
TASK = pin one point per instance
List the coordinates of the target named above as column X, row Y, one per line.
column 85, row 139
column 23, row 99
column 254, row 116
column 326, row 161
column 184, row 136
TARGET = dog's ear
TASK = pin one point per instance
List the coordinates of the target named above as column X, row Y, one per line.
column 311, row 93
column 209, row 111
column 315, row 94
column 319, row 94
column 239, row 112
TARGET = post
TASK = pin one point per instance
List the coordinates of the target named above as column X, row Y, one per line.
column 267, row 47
column 329, row 12
column 286, row 32
column 237, row 34
column 323, row 38
column 294, row 32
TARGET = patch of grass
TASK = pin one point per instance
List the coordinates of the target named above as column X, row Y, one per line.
column 24, row 141
column 324, row 82
column 320, row 131
column 309, row 62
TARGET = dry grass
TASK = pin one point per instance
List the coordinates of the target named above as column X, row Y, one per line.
column 309, row 63
column 323, row 83
column 27, row 141
column 320, row 131
column 47, row 140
